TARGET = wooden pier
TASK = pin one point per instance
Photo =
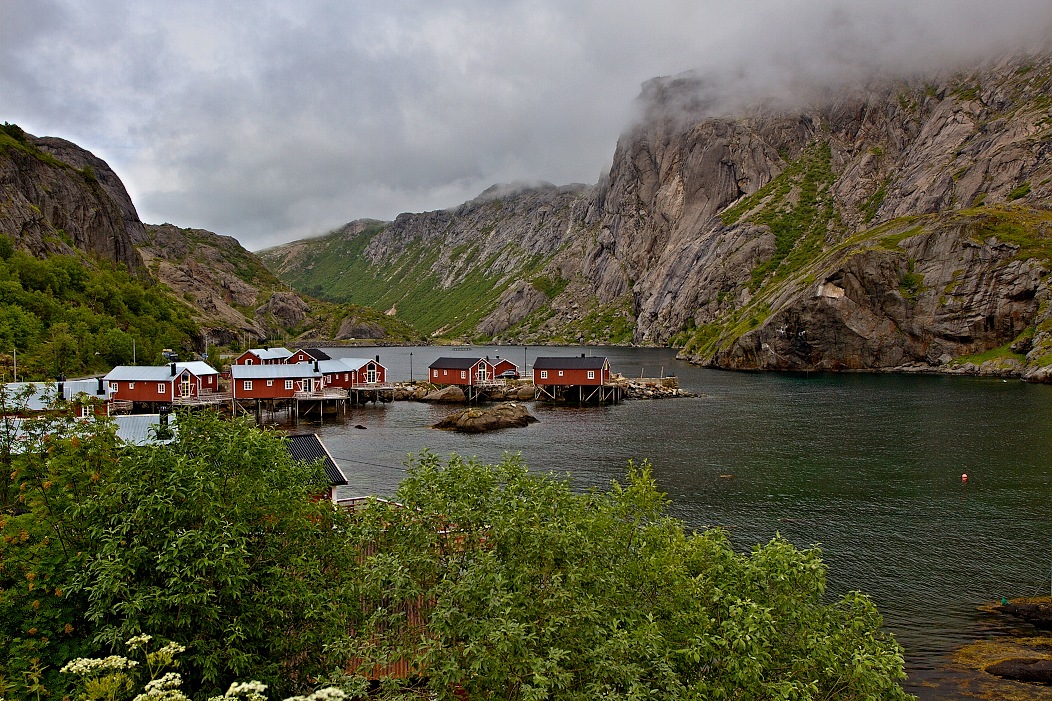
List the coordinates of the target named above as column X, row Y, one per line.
column 608, row 393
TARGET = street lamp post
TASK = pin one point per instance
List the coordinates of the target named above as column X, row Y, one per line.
column 524, row 366
column 410, row 366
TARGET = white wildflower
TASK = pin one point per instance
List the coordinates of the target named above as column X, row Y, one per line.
column 165, row 688
column 329, row 693
column 94, row 665
column 138, row 641
column 252, row 690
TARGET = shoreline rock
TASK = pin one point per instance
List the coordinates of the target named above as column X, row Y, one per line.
column 478, row 420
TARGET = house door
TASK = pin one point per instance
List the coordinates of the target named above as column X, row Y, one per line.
column 370, row 374
column 308, row 384
column 482, row 373
column 184, row 386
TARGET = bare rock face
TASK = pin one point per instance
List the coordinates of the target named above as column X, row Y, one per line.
column 478, row 420
column 354, row 327
column 447, row 395
column 57, row 198
column 286, row 309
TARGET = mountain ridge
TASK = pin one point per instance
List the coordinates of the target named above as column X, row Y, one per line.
column 712, row 231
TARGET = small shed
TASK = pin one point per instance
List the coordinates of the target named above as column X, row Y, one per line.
column 307, row 447
column 460, row 371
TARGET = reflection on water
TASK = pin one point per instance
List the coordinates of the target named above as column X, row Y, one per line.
column 867, row 466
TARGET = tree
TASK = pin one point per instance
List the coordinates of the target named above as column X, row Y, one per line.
column 218, row 542
column 215, row 540
column 509, row 585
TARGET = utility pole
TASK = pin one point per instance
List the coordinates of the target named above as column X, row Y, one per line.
column 15, row 351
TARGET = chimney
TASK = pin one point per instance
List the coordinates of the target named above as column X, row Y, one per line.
column 582, row 355
column 61, row 386
column 101, row 390
column 173, row 369
column 315, row 366
column 378, row 359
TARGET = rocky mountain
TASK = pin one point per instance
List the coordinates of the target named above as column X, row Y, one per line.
column 58, row 199
column 900, row 225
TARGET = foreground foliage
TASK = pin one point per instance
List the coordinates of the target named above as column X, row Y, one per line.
column 509, row 585
column 213, row 541
column 488, row 580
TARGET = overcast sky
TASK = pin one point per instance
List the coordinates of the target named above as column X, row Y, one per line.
column 271, row 121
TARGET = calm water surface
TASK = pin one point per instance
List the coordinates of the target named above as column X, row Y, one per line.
column 867, row 466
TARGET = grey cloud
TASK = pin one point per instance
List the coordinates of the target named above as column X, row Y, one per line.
column 269, row 120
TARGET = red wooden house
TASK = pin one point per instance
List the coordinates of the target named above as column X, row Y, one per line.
column 275, row 381
column 161, row 384
column 263, row 356
column 577, row 371
column 353, row 372
column 460, row 371
column 81, row 398
column 502, row 367
column 308, row 355
column 584, row 379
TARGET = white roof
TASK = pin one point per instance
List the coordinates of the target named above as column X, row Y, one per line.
column 270, row 372
column 270, row 353
column 140, row 373
column 41, row 394
column 197, row 367
column 141, row 429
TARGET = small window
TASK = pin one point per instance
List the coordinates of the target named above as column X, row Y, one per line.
column 346, row 376
column 131, row 385
column 248, row 385
column 591, row 374
column 560, row 373
column 161, row 387
column 463, row 374
column 115, row 386
column 445, row 372
column 288, row 384
column 270, row 383
column 544, row 374
column 248, row 361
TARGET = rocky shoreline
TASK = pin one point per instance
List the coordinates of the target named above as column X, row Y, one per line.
column 523, row 390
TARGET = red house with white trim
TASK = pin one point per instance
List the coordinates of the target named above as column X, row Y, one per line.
column 161, row 384
column 571, row 371
column 263, row 356
column 275, row 381
column 460, row 371
column 308, row 355
column 353, row 372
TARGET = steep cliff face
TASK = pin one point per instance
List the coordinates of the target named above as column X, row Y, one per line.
column 763, row 241
column 902, row 225
column 57, row 198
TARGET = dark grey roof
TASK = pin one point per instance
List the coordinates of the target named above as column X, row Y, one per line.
column 454, row 363
column 316, row 353
column 308, row 447
column 572, row 362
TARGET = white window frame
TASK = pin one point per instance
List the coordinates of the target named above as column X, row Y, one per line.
column 161, row 388
column 270, row 383
column 131, row 385
column 463, row 374
column 544, row 374
column 560, row 373
column 591, row 374
column 289, row 384
column 115, row 386
column 247, row 385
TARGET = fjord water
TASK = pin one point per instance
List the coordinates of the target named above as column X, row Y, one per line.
column 868, row 466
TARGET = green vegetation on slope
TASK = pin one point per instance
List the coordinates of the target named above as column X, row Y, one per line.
column 336, row 268
column 64, row 315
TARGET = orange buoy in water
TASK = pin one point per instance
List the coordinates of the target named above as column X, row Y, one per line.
column 964, row 477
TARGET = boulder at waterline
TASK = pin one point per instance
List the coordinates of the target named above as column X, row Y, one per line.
column 476, row 420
